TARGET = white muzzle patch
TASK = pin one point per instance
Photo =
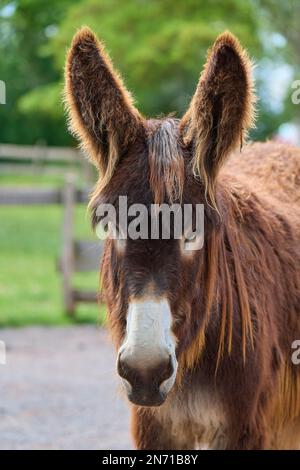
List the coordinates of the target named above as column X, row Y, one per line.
column 149, row 337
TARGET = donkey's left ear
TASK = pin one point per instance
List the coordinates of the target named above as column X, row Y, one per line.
column 101, row 111
column 221, row 111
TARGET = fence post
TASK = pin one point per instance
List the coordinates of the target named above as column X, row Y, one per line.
column 89, row 171
column 67, row 258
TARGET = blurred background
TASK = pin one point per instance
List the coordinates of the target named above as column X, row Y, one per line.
column 159, row 46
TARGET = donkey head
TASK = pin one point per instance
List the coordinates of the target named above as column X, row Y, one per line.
column 156, row 289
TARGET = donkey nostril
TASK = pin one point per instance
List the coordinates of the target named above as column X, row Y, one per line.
column 168, row 370
column 125, row 370
column 120, row 367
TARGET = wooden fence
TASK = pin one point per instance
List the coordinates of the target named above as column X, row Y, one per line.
column 43, row 159
column 76, row 255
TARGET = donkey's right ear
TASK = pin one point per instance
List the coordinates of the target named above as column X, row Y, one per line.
column 101, row 111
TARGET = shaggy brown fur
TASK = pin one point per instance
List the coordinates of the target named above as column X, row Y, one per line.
column 236, row 302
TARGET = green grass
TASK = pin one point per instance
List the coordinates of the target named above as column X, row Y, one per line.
column 43, row 180
column 30, row 285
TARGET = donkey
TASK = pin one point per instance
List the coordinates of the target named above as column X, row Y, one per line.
column 204, row 337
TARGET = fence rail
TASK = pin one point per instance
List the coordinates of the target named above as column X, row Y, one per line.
column 43, row 159
column 29, row 196
column 39, row 153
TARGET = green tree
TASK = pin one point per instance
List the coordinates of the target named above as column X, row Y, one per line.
column 25, row 29
column 159, row 46
column 283, row 20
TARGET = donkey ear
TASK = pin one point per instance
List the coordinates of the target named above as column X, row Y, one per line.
column 101, row 111
column 221, row 111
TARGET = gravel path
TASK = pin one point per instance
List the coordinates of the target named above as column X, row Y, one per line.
column 59, row 390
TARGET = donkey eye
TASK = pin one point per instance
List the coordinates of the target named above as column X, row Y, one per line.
column 187, row 241
column 192, row 242
column 101, row 230
column 190, row 238
column 107, row 230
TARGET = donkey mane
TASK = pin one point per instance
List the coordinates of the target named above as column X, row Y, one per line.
column 242, row 256
column 224, row 282
column 166, row 161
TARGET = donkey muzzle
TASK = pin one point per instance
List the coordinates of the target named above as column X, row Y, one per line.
column 146, row 360
column 147, row 386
